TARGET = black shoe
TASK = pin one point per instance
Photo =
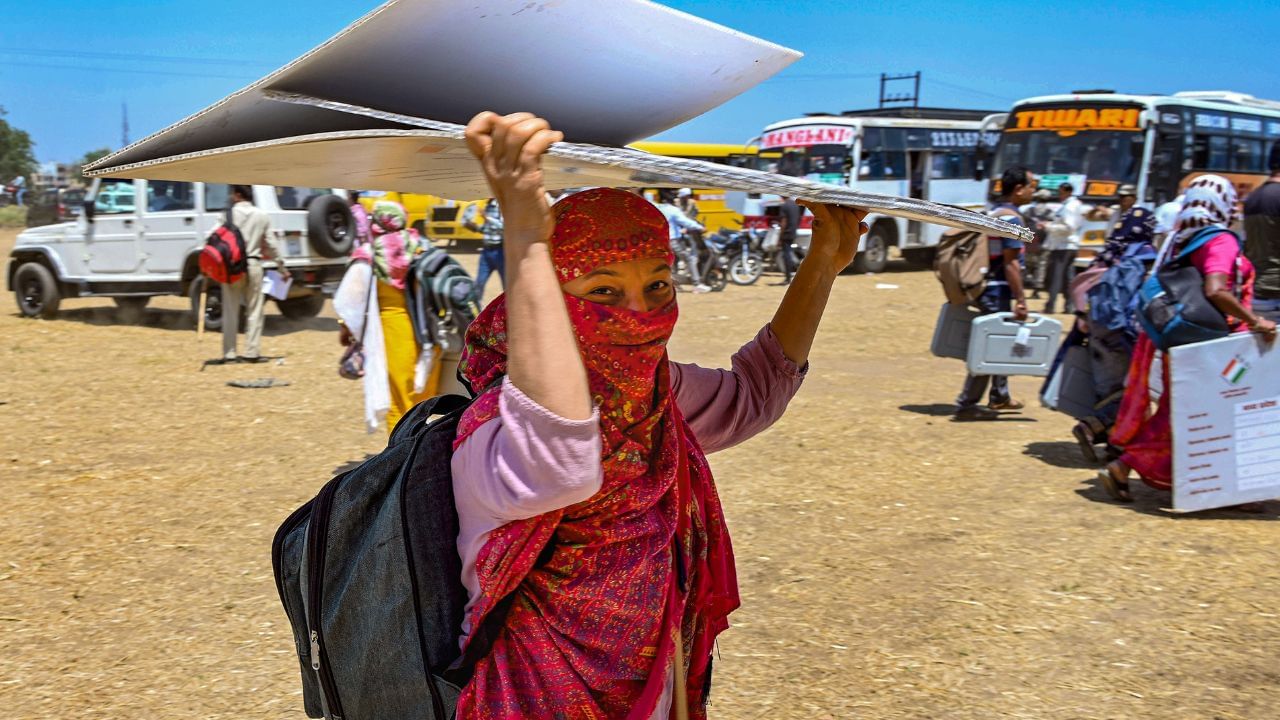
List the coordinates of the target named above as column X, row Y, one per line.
column 782, row 284
column 252, row 360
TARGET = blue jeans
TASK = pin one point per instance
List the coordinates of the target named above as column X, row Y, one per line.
column 1269, row 309
column 491, row 261
column 997, row 298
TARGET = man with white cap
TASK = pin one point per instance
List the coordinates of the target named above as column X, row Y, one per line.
column 687, row 203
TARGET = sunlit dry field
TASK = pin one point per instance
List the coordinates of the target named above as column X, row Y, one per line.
column 893, row 564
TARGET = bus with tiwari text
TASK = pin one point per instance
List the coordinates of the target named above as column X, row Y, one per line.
column 925, row 153
column 1101, row 140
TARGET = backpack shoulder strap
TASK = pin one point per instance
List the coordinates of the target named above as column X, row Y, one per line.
column 1201, row 238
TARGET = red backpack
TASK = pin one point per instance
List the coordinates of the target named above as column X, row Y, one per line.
column 224, row 258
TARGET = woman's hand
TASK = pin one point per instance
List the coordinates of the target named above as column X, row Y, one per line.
column 510, row 150
column 836, row 231
column 344, row 335
column 1265, row 328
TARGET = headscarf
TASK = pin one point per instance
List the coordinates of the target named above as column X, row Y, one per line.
column 1135, row 227
column 391, row 247
column 590, row 633
column 1210, row 201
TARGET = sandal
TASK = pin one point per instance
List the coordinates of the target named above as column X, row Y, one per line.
column 1117, row 484
column 1086, row 432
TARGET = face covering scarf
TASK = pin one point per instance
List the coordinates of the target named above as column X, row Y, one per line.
column 601, row 587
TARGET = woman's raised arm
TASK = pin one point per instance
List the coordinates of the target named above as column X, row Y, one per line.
column 834, row 243
column 543, row 358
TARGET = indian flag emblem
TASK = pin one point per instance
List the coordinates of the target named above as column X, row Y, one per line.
column 1235, row 370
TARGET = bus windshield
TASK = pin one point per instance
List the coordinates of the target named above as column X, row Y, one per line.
column 824, row 163
column 1114, row 156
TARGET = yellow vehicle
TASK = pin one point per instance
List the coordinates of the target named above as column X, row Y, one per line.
column 441, row 219
column 417, row 207
column 717, row 208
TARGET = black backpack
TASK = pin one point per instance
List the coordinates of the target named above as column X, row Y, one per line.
column 1172, row 306
column 370, row 577
column 439, row 294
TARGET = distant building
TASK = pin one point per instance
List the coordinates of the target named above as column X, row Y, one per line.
column 54, row 175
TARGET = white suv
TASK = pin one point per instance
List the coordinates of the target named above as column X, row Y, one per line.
column 131, row 250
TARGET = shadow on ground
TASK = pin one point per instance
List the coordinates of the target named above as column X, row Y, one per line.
column 165, row 319
column 1059, row 453
column 1149, row 501
column 948, row 409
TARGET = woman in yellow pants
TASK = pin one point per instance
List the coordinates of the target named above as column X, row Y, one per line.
column 371, row 303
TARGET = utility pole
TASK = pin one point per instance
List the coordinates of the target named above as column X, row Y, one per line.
column 124, row 124
column 913, row 97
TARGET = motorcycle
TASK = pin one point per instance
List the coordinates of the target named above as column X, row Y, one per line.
column 738, row 254
column 712, row 267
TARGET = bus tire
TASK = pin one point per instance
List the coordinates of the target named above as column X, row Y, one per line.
column 875, row 252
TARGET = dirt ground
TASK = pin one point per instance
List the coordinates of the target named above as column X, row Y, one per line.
column 893, row 564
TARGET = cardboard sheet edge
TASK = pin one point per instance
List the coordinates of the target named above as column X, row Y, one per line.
column 680, row 171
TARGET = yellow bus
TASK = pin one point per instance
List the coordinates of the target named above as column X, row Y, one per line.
column 442, row 220
column 717, row 209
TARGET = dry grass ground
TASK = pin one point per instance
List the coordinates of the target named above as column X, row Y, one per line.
column 893, row 564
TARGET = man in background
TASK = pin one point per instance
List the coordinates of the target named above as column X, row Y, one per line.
column 1262, row 239
column 1038, row 215
column 489, row 225
column 1004, row 293
column 1063, row 245
column 680, row 226
column 789, row 214
column 687, row 204
column 255, row 228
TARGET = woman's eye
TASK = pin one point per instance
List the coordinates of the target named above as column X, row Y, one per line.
column 602, row 291
column 659, row 285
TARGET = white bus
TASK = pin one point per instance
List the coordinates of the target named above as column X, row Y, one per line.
column 925, row 153
column 1099, row 140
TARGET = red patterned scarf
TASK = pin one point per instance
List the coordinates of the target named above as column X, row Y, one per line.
column 589, row 634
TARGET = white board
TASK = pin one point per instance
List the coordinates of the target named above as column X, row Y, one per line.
column 609, row 72
column 1226, row 422
column 381, row 105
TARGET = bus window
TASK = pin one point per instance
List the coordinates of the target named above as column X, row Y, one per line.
column 1246, row 155
column 952, row 165
column 883, row 165
column 1212, row 152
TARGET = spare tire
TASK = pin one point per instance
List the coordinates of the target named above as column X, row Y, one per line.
column 331, row 229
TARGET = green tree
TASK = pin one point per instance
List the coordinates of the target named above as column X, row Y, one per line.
column 16, row 155
column 89, row 157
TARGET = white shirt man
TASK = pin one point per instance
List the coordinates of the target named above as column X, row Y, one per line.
column 1064, row 229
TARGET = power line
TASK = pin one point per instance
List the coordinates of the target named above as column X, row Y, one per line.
column 823, row 76
column 135, row 71
column 972, row 91
column 85, row 54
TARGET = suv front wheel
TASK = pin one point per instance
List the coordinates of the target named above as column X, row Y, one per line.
column 36, row 290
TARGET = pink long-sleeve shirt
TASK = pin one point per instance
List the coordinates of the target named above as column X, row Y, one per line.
column 529, row 461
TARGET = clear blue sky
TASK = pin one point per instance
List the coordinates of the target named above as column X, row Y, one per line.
column 67, row 65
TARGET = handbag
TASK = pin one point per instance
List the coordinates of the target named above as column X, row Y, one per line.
column 772, row 239
column 351, row 366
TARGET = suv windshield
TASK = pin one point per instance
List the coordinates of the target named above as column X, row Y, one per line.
column 1097, row 154
column 292, row 197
